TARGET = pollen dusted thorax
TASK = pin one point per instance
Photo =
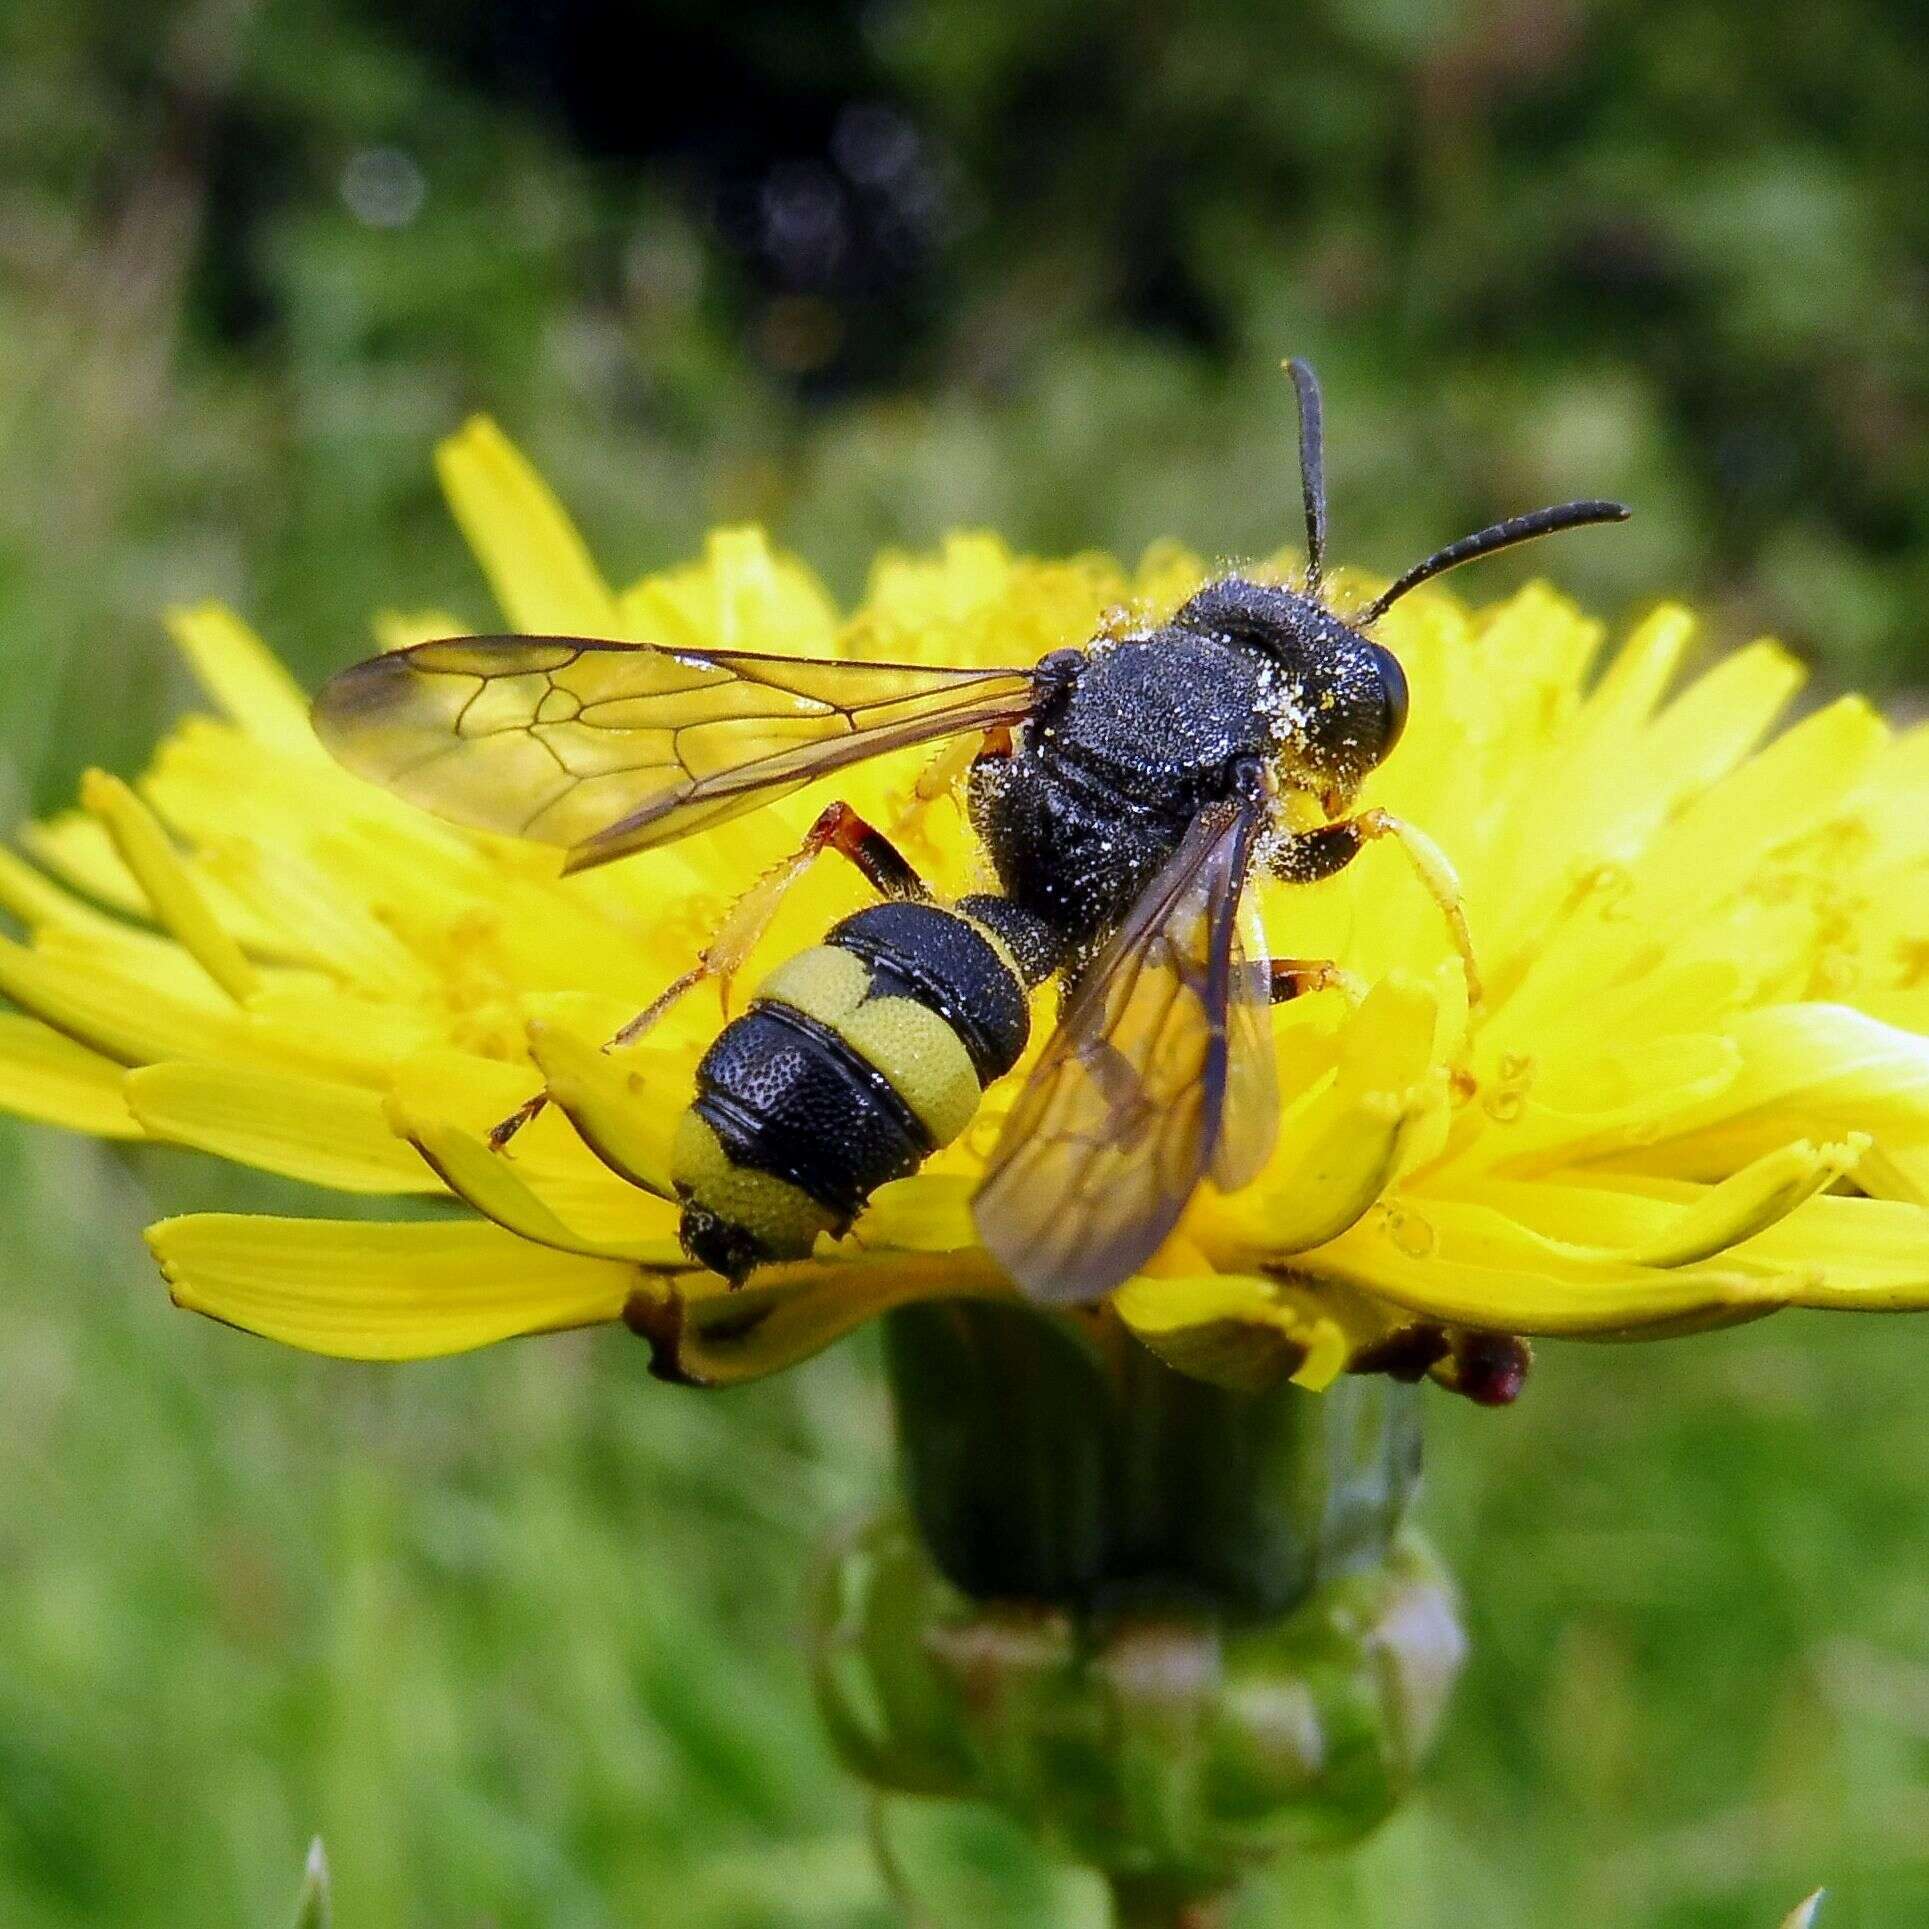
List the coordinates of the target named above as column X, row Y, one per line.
column 1128, row 741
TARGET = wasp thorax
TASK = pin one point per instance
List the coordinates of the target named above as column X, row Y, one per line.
column 1164, row 720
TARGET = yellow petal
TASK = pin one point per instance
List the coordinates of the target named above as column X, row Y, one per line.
column 1353, row 1153
column 210, row 783
column 1465, row 1264
column 472, row 1092
column 1497, row 691
column 505, row 913
column 1675, row 998
column 1699, row 862
column 304, row 1128
column 1240, row 1331
column 1622, row 1099
column 705, row 1333
column 71, row 933
column 37, row 901
column 244, row 677
column 1792, row 787
column 624, row 1103
column 1582, row 795
column 1855, row 1255
column 1624, row 1224
column 1833, row 1250
column 1802, row 1067
column 1342, row 1149
column 1899, row 794
column 472, row 1096
column 314, row 915
column 399, row 629
column 309, row 1025
column 1897, row 1172
column 1694, row 743
column 517, row 1198
column 381, row 1292
column 535, row 561
column 72, row 985
column 930, row 1212
column 918, row 597
column 1632, row 684
column 177, row 900
column 77, row 850
column 741, row 596
column 765, row 602
column 48, row 1077
column 1717, row 721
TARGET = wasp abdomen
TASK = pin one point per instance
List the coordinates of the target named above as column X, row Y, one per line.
column 856, row 1061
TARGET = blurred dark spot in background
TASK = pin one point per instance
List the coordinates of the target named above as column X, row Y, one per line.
column 868, row 271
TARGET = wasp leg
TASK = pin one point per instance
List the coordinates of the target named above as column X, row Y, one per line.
column 506, row 1129
column 1319, row 853
column 838, row 828
column 1298, row 977
column 939, row 778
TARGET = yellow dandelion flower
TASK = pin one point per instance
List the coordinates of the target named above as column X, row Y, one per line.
column 1696, row 1089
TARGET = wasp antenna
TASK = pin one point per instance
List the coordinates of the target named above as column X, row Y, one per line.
column 1501, row 535
column 1312, row 469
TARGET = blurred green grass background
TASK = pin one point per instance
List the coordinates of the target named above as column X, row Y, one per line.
column 521, row 1634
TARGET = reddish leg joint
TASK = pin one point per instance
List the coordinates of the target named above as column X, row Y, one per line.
column 1297, row 977
column 839, row 828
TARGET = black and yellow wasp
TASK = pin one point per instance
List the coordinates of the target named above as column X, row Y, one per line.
column 1124, row 792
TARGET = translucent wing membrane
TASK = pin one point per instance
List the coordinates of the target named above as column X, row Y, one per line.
column 1128, row 1108
column 1249, row 1120
column 606, row 748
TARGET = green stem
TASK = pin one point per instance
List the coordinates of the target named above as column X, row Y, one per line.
column 1083, row 1472
column 1138, row 1904
column 1174, row 1627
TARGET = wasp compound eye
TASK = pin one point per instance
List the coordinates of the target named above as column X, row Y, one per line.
column 1393, row 697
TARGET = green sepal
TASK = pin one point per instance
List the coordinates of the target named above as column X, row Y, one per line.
column 1159, row 1743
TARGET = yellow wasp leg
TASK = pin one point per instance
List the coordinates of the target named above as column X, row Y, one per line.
column 1331, row 847
column 838, row 828
column 1435, row 870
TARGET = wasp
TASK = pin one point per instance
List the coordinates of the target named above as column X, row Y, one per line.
column 1125, row 793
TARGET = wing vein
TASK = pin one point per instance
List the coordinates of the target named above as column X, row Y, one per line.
column 713, row 733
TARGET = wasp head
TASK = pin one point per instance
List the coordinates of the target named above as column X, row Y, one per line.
column 1338, row 699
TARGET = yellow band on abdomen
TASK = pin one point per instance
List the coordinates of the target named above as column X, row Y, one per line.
column 782, row 1218
column 909, row 1043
